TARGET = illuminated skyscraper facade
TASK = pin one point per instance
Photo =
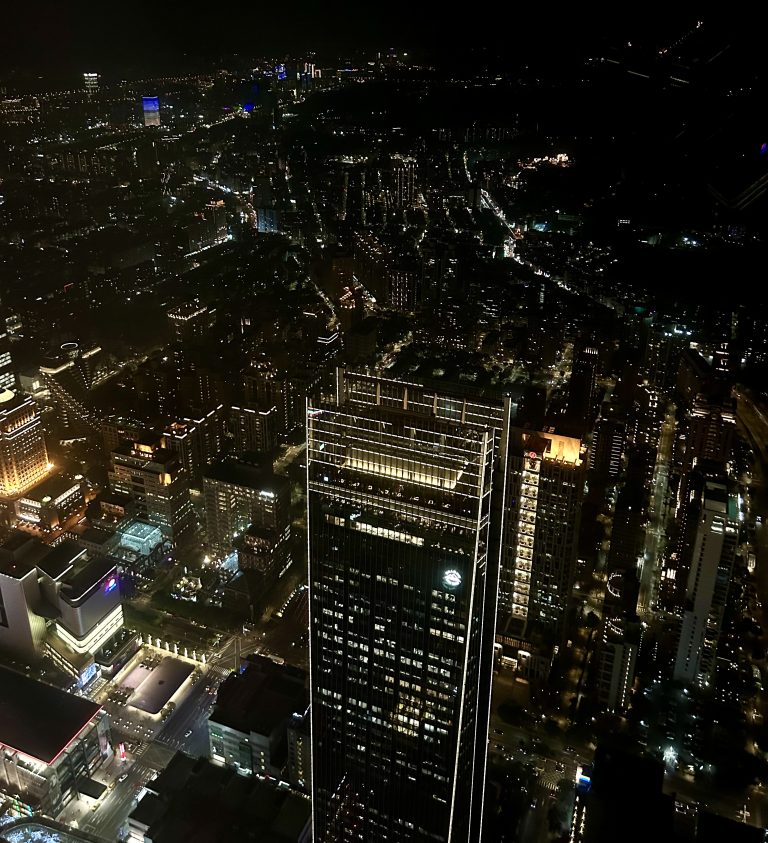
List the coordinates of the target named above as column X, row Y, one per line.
column 404, row 525
column 545, row 490
column 70, row 374
column 23, row 456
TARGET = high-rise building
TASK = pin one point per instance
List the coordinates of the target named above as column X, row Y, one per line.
column 70, row 375
column 197, row 441
column 253, row 430
column 403, row 559
column 191, row 321
column 708, row 581
column 23, row 456
column 545, row 490
column 266, row 387
column 238, row 495
column 91, row 82
column 403, row 181
column 155, row 480
column 581, row 388
column 608, row 447
column 7, row 373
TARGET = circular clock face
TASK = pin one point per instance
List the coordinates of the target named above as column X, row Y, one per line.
column 452, row 579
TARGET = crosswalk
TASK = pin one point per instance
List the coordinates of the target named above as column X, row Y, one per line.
column 550, row 781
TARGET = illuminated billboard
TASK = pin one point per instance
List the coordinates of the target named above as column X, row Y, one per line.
column 150, row 107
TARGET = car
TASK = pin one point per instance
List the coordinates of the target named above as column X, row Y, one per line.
column 498, row 746
column 498, row 732
column 122, row 777
column 187, row 733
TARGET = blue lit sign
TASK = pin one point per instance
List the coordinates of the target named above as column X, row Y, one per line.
column 248, row 107
column 110, row 585
column 583, row 778
column 150, row 103
column 88, row 674
column 280, row 71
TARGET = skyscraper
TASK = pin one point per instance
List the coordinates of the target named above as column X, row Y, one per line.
column 23, row 457
column 403, row 557
column 157, row 484
column 545, row 490
column 70, row 375
column 708, row 580
column 191, row 320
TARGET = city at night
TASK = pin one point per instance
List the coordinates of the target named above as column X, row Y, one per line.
column 383, row 424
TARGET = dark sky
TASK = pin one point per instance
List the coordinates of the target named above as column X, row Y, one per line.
column 72, row 35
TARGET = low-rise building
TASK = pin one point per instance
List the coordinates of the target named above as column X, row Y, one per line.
column 193, row 799
column 51, row 743
column 248, row 725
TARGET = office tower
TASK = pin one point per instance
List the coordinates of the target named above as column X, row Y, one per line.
column 238, row 495
column 191, row 321
column 545, row 490
column 70, row 374
column 7, row 373
column 403, row 555
column 581, row 388
column 23, row 456
column 150, row 108
column 157, row 484
column 403, row 181
column 707, row 589
column 712, row 429
column 91, row 82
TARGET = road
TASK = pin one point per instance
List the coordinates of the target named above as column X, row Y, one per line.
column 659, row 515
column 187, row 728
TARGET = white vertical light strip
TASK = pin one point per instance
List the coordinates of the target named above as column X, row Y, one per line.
column 466, row 651
column 503, row 467
column 315, row 801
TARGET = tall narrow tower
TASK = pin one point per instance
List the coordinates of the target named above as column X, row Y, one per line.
column 545, row 491
column 403, row 528
column 708, row 581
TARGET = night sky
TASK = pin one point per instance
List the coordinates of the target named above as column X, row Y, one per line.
column 46, row 35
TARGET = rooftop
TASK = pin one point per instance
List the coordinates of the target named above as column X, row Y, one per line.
column 244, row 474
column 61, row 559
column 194, row 801
column 53, row 487
column 79, row 584
column 260, row 698
column 37, row 719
